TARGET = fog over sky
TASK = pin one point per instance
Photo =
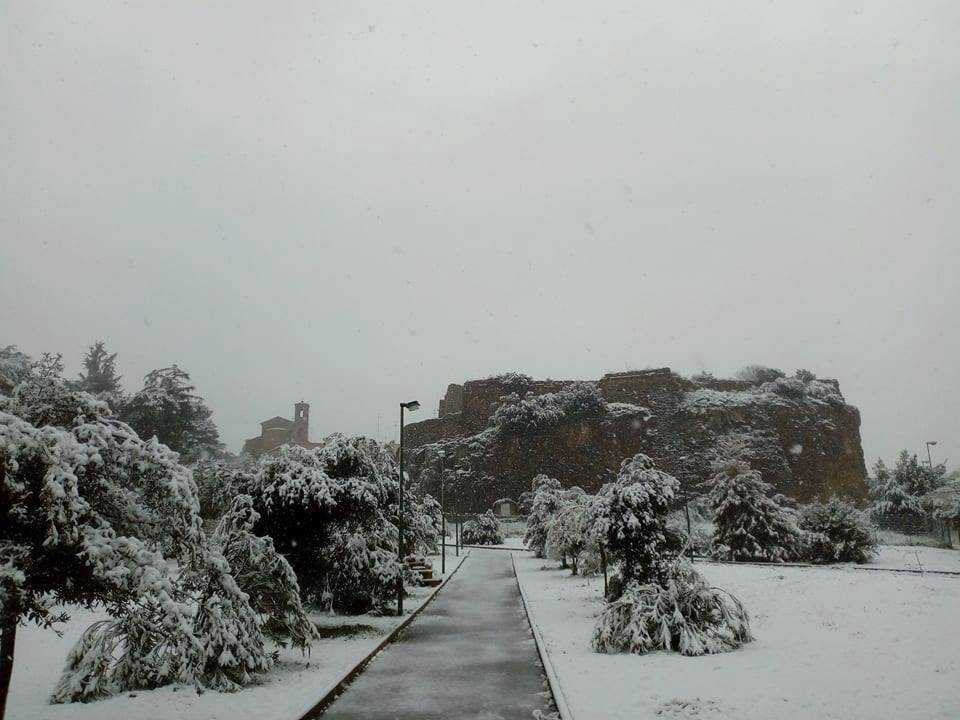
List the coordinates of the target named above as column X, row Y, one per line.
column 358, row 203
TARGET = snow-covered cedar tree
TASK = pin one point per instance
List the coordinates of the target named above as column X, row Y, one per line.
column 759, row 373
column 681, row 613
column 332, row 512
column 637, row 532
column 100, row 377
column 837, row 532
column 169, row 409
column 749, row 524
column 482, row 530
column 546, row 501
column 894, row 505
column 264, row 575
column 92, row 514
column 536, row 413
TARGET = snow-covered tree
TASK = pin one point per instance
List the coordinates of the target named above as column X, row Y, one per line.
column 422, row 525
column 169, row 409
column 546, row 501
column 664, row 603
column 682, row 613
column 264, row 575
column 332, row 512
column 100, row 377
column 567, row 531
column 749, row 524
column 91, row 513
column 637, row 532
column 14, row 367
column 219, row 482
column 536, row 413
column 894, row 505
column 837, row 532
column 482, row 530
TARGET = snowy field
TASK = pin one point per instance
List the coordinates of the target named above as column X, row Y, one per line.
column 287, row 691
column 830, row 643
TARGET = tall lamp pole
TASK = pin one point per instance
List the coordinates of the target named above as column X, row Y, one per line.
column 443, row 519
column 411, row 406
column 929, row 459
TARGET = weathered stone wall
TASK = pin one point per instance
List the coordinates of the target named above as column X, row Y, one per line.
column 806, row 448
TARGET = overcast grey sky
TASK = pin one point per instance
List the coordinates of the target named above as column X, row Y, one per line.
column 357, row 203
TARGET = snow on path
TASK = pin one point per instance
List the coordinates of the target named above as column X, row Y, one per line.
column 469, row 655
column 284, row 693
column 830, row 645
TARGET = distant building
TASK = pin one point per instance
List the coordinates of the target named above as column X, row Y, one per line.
column 279, row 431
column 505, row 508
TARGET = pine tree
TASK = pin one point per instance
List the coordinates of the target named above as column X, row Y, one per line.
column 837, row 532
column 749, row 524
column 100, row 378
column 169, row 409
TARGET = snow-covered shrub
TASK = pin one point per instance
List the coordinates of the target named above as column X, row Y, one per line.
column 536, row 413
column 759, row 373
column 482, row 530
column 680, row 613
column 637, row 532
column 837, row 532
column 217, row 485
column 514, row 382
column 804, row 375
column 91, row 513
column 546, row 500
column 332, row 512
column 14, row 367
column 749, row 524
column 792, row 388
column 264, row 575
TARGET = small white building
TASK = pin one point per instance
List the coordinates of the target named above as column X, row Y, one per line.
column 505, row 507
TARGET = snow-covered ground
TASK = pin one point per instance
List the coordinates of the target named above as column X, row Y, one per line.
column 287, row 691
column 829, row 643
column 916, row 557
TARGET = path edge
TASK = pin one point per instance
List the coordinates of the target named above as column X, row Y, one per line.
column 559, row 699
column 319, row 707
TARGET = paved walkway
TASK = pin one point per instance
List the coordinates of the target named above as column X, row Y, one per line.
column 468, row 656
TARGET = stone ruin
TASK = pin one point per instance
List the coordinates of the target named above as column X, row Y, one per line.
column 802, row 436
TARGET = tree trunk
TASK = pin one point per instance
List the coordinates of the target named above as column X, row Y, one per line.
column 603, row 564
column 8, row 642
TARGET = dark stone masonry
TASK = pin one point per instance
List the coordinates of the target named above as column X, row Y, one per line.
column 804, row 437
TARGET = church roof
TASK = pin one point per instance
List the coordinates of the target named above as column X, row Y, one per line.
column 277, row 421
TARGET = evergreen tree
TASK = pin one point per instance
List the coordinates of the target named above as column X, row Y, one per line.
column 482, row 530
column 169, row 409
column 664, row 603
column 894, row 506
column 637, row 534
column 546, row 502
column 91, row 513
column 100, row 377
column 837, row 532
column 749, row 524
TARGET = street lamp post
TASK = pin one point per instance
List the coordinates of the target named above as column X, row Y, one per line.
column 929, row 459
column 411, row 406
column 443, row 520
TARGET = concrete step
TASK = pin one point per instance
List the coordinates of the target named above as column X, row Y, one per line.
column 432, row 582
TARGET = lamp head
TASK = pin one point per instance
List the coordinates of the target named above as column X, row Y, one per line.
column 411, row 406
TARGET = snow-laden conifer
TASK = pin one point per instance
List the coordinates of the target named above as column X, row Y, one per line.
column 546, row 501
